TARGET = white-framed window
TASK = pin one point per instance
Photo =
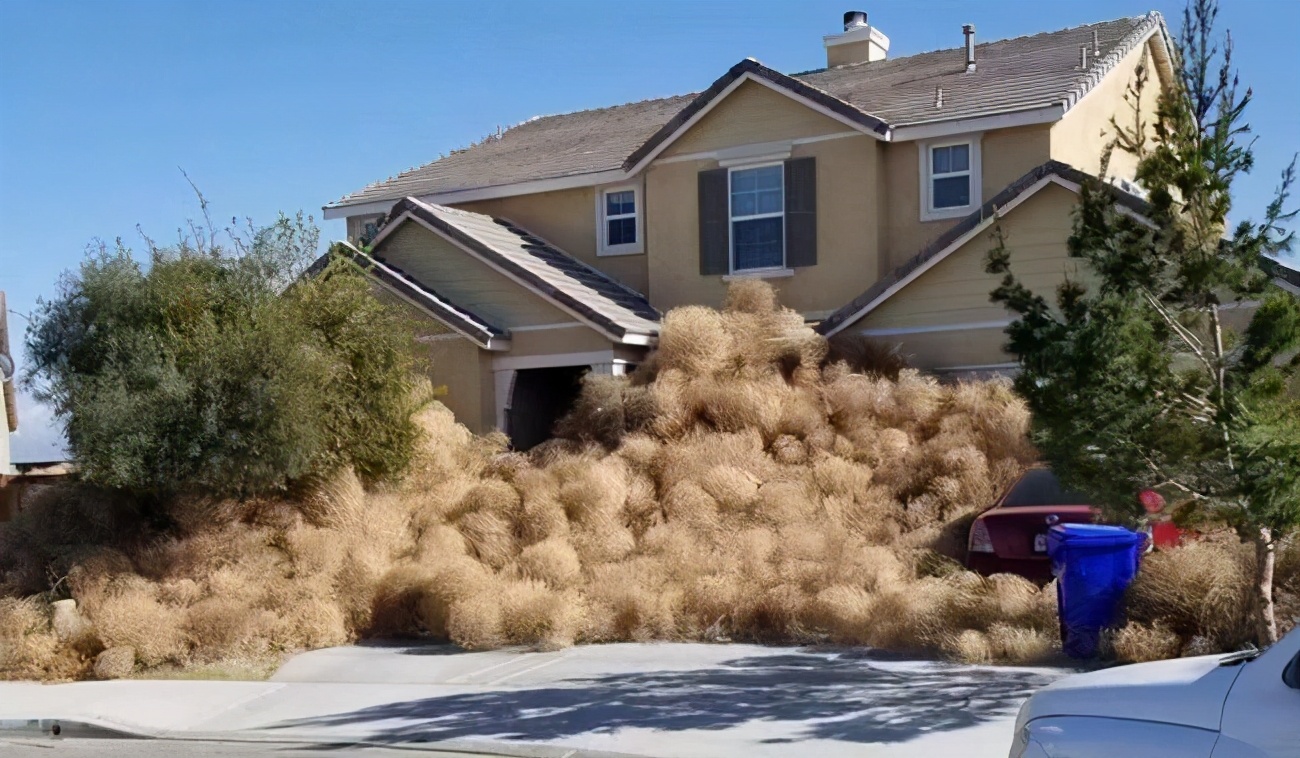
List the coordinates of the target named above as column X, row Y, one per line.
column 757, row 203
column 950, row 178
column 618, row 213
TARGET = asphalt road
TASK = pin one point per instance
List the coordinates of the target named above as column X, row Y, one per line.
column 664, row 700
column 131, row 748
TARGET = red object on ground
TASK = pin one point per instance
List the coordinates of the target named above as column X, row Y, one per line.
column 1011, row 537
column 1166, row 534
column 1152, row 501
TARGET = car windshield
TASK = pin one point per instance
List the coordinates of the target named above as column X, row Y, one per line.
column 1041, row 487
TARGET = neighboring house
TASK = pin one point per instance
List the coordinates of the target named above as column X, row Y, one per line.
column 8, row 400
column 864, row 191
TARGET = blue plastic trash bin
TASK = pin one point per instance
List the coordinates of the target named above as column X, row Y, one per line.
column 1093, row 566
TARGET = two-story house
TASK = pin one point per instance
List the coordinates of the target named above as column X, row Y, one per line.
column 8, row 404
column 864, row 190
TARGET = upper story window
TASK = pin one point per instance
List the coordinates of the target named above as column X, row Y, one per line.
column 620, row 220
column 757, row 218
column 950, row 185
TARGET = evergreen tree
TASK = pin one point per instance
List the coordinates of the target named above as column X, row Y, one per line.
column 1136, row 379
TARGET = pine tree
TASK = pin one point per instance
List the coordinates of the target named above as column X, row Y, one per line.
column 1136, row 379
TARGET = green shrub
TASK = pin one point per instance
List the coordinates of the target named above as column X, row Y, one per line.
column 225, row 370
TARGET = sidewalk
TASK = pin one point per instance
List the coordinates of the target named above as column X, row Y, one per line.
column 663, row 700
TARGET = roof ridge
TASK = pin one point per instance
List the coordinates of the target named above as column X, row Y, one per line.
column 580, row 111
column 1150, row 22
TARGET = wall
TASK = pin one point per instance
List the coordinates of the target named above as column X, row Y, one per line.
column 466, row 372
column 848, row 230
column 956, row 290
column 4, row 435
column 1006, row 155
column 567, row 219
column 1080, row 138
column 465, row 280
column 753, row 114
column 580, row 339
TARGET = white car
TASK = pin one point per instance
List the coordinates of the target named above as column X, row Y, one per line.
column 1244, row 705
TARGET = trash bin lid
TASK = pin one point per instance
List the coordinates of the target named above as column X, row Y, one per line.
column 1094, row 535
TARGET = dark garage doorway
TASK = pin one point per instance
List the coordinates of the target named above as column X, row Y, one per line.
column 540, row 397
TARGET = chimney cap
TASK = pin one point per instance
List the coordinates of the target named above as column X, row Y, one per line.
column 854, row 20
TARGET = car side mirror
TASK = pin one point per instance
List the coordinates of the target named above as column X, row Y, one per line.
column 1291, row 674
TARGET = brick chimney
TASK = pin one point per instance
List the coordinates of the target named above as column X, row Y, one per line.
column 859, row 43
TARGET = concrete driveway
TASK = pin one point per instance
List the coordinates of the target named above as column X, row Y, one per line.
column 663, row 700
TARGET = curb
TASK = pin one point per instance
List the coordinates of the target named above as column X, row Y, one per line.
column 58, row 729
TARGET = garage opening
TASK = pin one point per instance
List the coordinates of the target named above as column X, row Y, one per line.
column 540, row 397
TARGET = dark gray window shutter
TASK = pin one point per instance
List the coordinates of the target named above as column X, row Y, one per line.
column 800, row 212
column 715, row 223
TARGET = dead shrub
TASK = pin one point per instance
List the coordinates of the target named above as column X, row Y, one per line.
column 693, row 340
column 597, row 415
column 490, row 536
column 1198, row 589
column 131, row 616
column 750, row 296
column 552, row 561
column 865, row 355
column 1139, row 643
column 740, row 485
column 115, row 663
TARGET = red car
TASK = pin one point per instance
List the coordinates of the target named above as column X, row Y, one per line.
column 1011, row 537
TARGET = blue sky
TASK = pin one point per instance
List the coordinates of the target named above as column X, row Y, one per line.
column 286, row 105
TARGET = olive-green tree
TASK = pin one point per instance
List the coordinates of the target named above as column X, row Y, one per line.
column 223, row 368
column 1138, row 381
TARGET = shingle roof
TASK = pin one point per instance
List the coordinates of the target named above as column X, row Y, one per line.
column 1011, row 75
column 614, row 308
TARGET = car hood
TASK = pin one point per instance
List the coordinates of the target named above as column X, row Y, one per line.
column 1184, row 691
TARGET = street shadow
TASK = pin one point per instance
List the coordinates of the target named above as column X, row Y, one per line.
column 849, row 698
column 412, row 646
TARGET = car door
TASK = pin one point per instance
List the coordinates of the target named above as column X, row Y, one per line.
column 1261, row 718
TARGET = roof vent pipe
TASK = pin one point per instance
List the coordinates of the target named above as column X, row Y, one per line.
column 969, row 31
column 854, row 20
column 1096, row 44
column 1083, row 57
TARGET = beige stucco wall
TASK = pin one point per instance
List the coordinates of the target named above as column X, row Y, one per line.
column 557, row 341
column 465, row 371
column 950, row 350
column 4, row 434
column 1080, row 138
column 1006, row 155
column 567, row 219
column 956, row 290
column 848, row 229
column 753, row 114
column 465, row 280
